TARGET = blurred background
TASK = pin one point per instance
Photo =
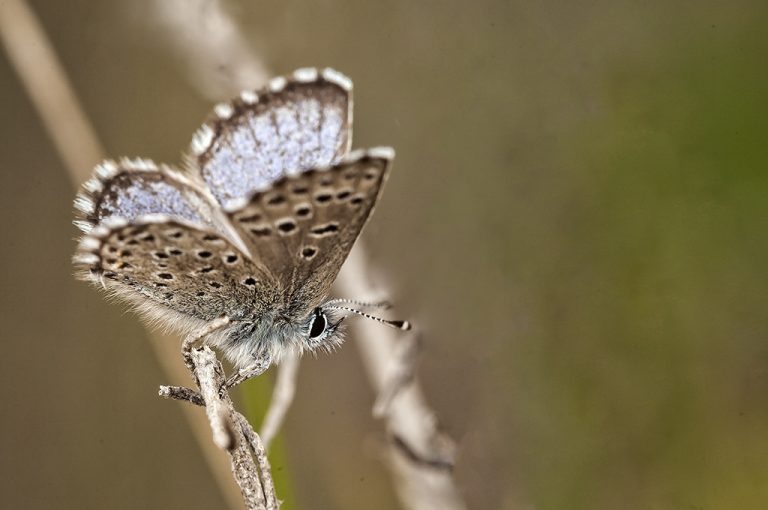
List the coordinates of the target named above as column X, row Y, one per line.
column 576, row 219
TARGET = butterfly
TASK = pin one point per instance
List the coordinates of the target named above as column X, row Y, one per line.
column 245, row 239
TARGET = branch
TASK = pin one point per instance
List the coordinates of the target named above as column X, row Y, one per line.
column 421, row 456
column 258, row 448
column 206, row 39
column 231, row 431
column 400, row 373
column 34, row 60
column 182, row 393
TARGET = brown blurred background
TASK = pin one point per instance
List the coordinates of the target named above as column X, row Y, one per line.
column 577, row 219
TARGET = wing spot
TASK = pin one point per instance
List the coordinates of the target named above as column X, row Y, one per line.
column 303, row 211
column 112, row 249
column 300, row 190
column 276, row 200
column 231, row 258
column 308, row 252
column 161, row 255
column 165, row 276
column 200, row 294
column 370, row 175
column 215, row 285
column 132, row 242
column 111, row 261
column 326, row 181
column 204, row 254
column 250, row 281
column 349, row 175
column 161, row 285
column 175, row 251
column 261, row 231
column 253, row 218
column 323, row 198
column 175, row 234
column 206, row 269
column 286, row 226
column 357, row 200
column 211, row 237
column 323, row 230
column 148, row 238
column 343, row 195
column 162, row 265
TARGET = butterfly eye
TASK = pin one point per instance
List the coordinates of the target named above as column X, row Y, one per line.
column 319, row 322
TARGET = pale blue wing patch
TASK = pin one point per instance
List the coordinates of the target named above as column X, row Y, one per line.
column 290, row 126
column 131, row 189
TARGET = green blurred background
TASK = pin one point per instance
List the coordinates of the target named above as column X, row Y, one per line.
column 576, row 219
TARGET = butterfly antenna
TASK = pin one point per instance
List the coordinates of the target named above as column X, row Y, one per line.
column 363, row 304
column 401, row 325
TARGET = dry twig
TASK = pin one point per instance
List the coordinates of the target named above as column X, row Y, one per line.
column 207, row 40
column 231, row 431
column 420, row 456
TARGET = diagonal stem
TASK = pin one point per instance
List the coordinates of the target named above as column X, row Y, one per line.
column 282, row 397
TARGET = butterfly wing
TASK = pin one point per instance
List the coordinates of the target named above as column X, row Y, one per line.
column 291, row 125
column 156, row 240
column 133, row 188
column 169, row 265
column 304, row 226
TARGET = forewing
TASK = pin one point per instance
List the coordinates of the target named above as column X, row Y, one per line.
column 304, row 226
column 172, row 263
column 293, row 124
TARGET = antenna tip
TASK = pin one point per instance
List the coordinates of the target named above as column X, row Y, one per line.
column 404, row 325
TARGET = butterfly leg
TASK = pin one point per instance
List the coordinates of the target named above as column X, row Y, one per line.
column 191, row 340
column 258, row 367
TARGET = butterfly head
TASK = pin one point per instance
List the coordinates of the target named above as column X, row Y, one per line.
column 322, row 329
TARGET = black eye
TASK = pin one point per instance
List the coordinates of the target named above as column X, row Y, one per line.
column 318, row 324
